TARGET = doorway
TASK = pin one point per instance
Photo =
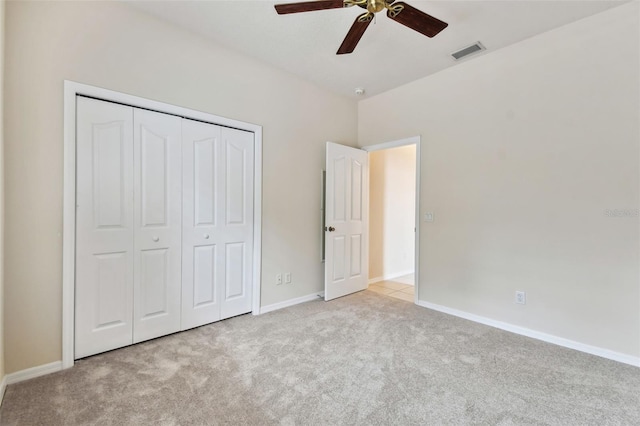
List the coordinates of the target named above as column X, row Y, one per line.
column 393, row 170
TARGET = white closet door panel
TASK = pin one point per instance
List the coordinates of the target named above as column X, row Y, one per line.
column 237, row 215
column 202, row 238
column 104, row 227
column 157, row 211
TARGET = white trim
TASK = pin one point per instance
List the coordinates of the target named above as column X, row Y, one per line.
column 33, row 372
column 391, row 277
column 413, row 140
column 560, row 341
column 292, row 302
column 3, row 388
column 257, row 220
column 73, row 89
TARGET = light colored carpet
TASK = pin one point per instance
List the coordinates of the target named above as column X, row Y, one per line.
column 363, row 359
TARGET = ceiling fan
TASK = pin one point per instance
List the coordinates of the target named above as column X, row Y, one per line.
column 399, row 12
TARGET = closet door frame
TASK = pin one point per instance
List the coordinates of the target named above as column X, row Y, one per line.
column 71, row 91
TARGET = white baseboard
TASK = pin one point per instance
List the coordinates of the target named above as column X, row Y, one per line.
column 33, row 372
column 560, row 341
column 291, row 302
column 3, row 388
column 390, row 276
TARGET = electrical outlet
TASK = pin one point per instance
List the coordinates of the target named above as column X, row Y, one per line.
column 279, row 279
column 287, row 277
column 521, row 297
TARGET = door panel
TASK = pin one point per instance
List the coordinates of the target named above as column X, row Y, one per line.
column 154, row 176
column 236, row 183
column 204, row 276
column 104, row 227
column 237, row 177
column 158, row 207
column 347, row 217
column 217, row 225
column 235, row 282
column 204, row 178
column 202, row 270
column 154, row 285
column 113, row 288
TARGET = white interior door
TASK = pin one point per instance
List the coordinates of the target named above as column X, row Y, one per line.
column 157, row 226
column 104, row 227
column 346, row 220
column 217, row 229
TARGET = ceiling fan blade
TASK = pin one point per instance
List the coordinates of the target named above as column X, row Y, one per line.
column 355, row 34
column 416, row 19
column 308, row 6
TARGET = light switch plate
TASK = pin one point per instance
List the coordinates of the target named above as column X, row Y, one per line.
column 428, row 217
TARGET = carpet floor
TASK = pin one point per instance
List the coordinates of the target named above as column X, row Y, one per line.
column 364, row 359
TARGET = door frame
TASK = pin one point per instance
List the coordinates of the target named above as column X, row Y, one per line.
column 71, row 91
column 414, row 140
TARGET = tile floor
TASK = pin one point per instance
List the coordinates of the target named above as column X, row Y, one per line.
column 398, row 287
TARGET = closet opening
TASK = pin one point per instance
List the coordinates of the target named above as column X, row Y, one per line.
column 162, row 213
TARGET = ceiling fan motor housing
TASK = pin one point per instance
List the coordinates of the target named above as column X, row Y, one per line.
column 375, row 6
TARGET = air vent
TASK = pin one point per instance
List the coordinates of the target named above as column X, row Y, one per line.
column 476, row 47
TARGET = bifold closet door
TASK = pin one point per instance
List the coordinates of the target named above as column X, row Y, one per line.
column 104, row 227
column 157, row 224
column 217, row 230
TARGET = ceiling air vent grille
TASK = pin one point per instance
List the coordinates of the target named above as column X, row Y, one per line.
column 476, row 47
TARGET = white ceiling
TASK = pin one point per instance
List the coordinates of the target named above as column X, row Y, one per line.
column 389, row 54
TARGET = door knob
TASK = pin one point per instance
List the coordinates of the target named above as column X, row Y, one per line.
column 331, row 229
column 206, row 236
column 156, row 239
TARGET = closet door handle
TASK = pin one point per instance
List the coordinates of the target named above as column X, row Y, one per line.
column 206, row 236
column 156, row 239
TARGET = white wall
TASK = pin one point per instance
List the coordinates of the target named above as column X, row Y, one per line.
column 113, row 46
column 2, row 29
column 392, row 200
column 523, row 150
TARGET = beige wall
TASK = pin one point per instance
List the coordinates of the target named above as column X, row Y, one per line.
column 523, row 150
column 115, row 47
column 392, row 200
column 2, row 26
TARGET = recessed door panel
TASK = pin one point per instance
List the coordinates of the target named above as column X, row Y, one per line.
column 204, row 181
column 339, row 193
column 109, row 174
column 153, row 150
column 104, row 227
column 236, row 184
column 204, row 276
column 339, row 249
column 154, row 285
column 356, row 190
column 113, row 289
column 356, row 255
column 235, row 284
